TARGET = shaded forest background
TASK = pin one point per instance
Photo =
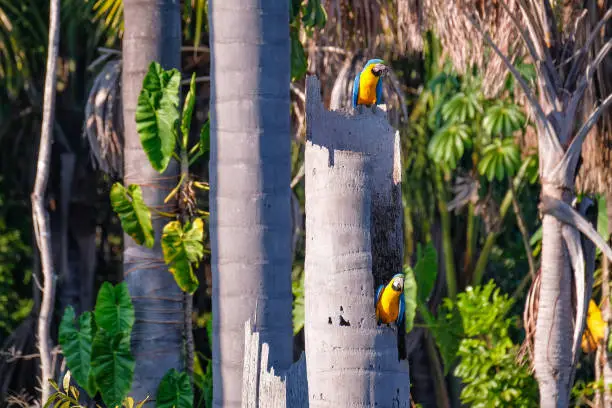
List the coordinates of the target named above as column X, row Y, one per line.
column 450, row 98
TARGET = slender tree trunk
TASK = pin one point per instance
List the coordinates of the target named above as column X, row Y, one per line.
column 250, row 197
column 152, row 33
column 352, row 167
column 553, row 350
column 40, row 216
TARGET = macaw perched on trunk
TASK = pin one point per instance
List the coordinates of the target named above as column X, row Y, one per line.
column 390, row 307
column 367, row 88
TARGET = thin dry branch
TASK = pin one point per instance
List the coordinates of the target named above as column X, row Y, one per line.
column 573, row 152
column 575, row 69
column 39, row 213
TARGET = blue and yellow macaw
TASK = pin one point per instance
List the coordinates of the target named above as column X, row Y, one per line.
column 390, row 301
column 367, row 88
column 390, row 307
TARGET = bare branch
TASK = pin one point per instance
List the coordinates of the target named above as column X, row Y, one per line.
column 573, row 152
column 568, row 215
column 298, row 92
column 569, row 43
column 550, row 24
column 39, row 213
column 199, row 79
column 584, row 50
column 532, row 27
column 530, row 45
column 528, row 92
column 298, row 177
column 586, row 80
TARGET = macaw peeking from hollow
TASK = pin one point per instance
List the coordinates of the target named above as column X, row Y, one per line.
column 390, row 301
column 390, row 307
column 367, row 88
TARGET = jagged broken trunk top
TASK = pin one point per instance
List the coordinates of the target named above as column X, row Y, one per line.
column 353, row 243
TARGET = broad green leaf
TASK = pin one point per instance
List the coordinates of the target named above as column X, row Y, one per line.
column 426, row 271
column 410, row 297
column 183, row 249
column 157, row 114
column 602, row 217
column 113, row 366
column 188, row 110
column 447, row 329
column 114, row 310
column 298, row 57
column 205, row 136
column 76, row 346
column 133, row 213
column 174, row 391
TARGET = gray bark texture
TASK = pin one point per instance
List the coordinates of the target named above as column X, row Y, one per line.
column 250, row 197
column 152, row 33
column 262, row 387
column 353, row 221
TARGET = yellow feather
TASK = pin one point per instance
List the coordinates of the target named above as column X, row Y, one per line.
column 596, row 327
column 367, row 87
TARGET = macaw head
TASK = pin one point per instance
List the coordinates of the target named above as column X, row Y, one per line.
column 378, row 67
column 397, row 283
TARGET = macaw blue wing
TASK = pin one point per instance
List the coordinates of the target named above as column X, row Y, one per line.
column 378, row 293
column 402, row 310
column 379, row 87
column 356, row 89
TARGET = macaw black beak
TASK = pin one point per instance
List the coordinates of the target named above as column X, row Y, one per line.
column 380, row 70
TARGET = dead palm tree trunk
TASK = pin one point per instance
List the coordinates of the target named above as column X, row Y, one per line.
column 352, row 176
column 40, row 217
column 152, row 33
column 250, row 196
column 565, row 71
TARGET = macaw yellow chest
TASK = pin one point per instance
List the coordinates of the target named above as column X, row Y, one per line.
column 367, row 88
column 387, row 309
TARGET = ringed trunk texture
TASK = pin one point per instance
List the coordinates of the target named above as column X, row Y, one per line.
column 352, row 170
column 152, row 33
column 250, row 195
column 554, row 327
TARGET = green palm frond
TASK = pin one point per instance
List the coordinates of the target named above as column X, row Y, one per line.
column 503, row 119
column 449, row 143
column 110, row 14
column 500, row 159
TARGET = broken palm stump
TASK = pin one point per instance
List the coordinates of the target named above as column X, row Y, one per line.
column 354, row 242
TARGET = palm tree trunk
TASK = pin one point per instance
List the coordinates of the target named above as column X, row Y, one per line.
column 250, row 196
column 554, row 328
column 152, row 33
column 351, row 168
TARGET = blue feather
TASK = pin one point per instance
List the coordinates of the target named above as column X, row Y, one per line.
column 378, row 293
column 373, row 61
column 356, row 89
column 402, row 310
